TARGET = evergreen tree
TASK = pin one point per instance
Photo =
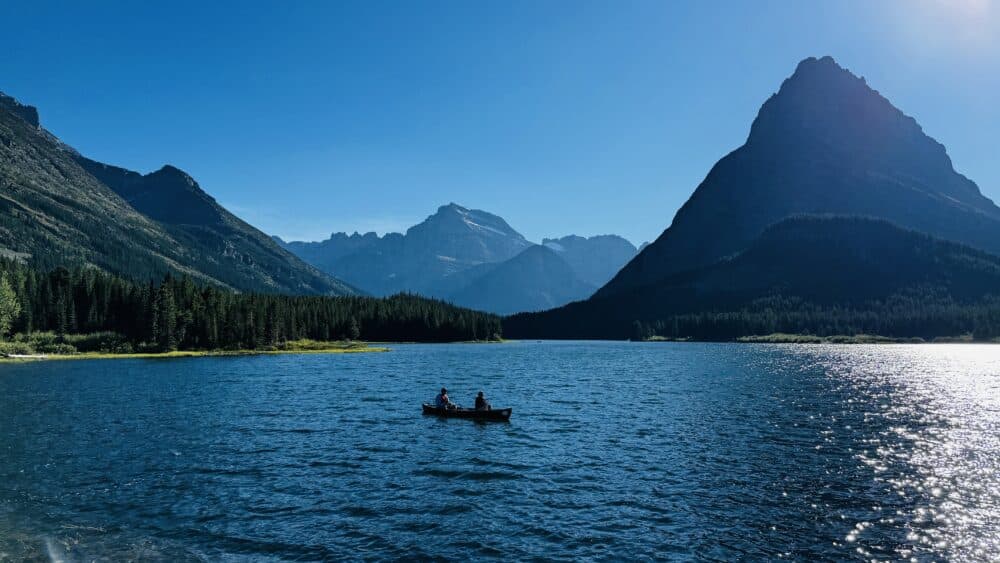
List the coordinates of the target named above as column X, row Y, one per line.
column 167, row 322
column 10, row 308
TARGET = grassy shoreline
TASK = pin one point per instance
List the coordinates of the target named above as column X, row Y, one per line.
column 299, row 347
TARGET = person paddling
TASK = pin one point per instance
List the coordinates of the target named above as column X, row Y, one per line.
column 442, row 401
column 481, row 403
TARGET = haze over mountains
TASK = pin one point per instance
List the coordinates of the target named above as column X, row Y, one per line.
column 824, row 144
column 472, row 258
column 58, row 208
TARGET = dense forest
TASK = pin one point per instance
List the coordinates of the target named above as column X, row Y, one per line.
column 178, row 313
column 926, row 314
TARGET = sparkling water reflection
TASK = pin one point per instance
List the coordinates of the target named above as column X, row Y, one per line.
column 615, row 450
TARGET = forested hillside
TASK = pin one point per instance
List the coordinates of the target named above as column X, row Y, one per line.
column 178, row 313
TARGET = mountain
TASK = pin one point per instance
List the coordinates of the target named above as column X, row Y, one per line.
column 58, row 208
column 816, row 274
column 824, row 143
column 325, row 254
column 535, row 279
column 473, row 258
column 450, row 241
column 905, row 253
column 595, row 259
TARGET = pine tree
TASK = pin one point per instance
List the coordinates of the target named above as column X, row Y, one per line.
column 10, row 308
column 167, row 319
column 353, row 330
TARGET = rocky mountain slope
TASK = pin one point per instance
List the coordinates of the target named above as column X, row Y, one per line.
column 58, row 208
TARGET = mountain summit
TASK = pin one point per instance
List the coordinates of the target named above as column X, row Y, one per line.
column 28, row 113
column 169, row 194
column 467, row 235
column 824, row 143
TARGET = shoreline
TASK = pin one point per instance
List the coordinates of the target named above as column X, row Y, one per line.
column 306, row 347
column 787, row 338
column 189, row 354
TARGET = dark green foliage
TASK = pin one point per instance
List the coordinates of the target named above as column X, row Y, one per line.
column 10, row 307
column 118, row 315
column 353, row 330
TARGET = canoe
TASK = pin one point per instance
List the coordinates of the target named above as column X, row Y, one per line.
column 500, row 415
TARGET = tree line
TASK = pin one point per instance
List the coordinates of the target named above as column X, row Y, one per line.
column 178, row 313
column 920, row 312
column 925, row 311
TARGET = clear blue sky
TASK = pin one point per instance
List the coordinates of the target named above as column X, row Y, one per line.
column 563, row 117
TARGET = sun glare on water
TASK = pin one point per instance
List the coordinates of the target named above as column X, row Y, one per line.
column 940, row 414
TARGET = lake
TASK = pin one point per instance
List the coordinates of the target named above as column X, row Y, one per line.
column 615, row 450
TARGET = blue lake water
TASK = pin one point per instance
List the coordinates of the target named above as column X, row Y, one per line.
column 614, row 450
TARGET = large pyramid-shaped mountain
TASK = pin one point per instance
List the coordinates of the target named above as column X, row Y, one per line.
column 825, row 143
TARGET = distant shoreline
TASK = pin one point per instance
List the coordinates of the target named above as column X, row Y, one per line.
column 785, row 338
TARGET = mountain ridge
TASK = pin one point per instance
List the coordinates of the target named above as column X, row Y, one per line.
column 458, row 247
column 55, row 212
column 595, row 259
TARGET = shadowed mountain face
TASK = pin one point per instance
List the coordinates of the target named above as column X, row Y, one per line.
column 168, row 195
column 828, row 263
column 825, row 143
column 535, row 279
column 595, row 259
column 58, row 208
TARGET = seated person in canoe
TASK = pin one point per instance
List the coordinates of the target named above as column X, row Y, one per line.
column 443, row 402
column 481, row 403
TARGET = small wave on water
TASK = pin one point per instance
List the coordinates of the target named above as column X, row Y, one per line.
column 468, row 475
